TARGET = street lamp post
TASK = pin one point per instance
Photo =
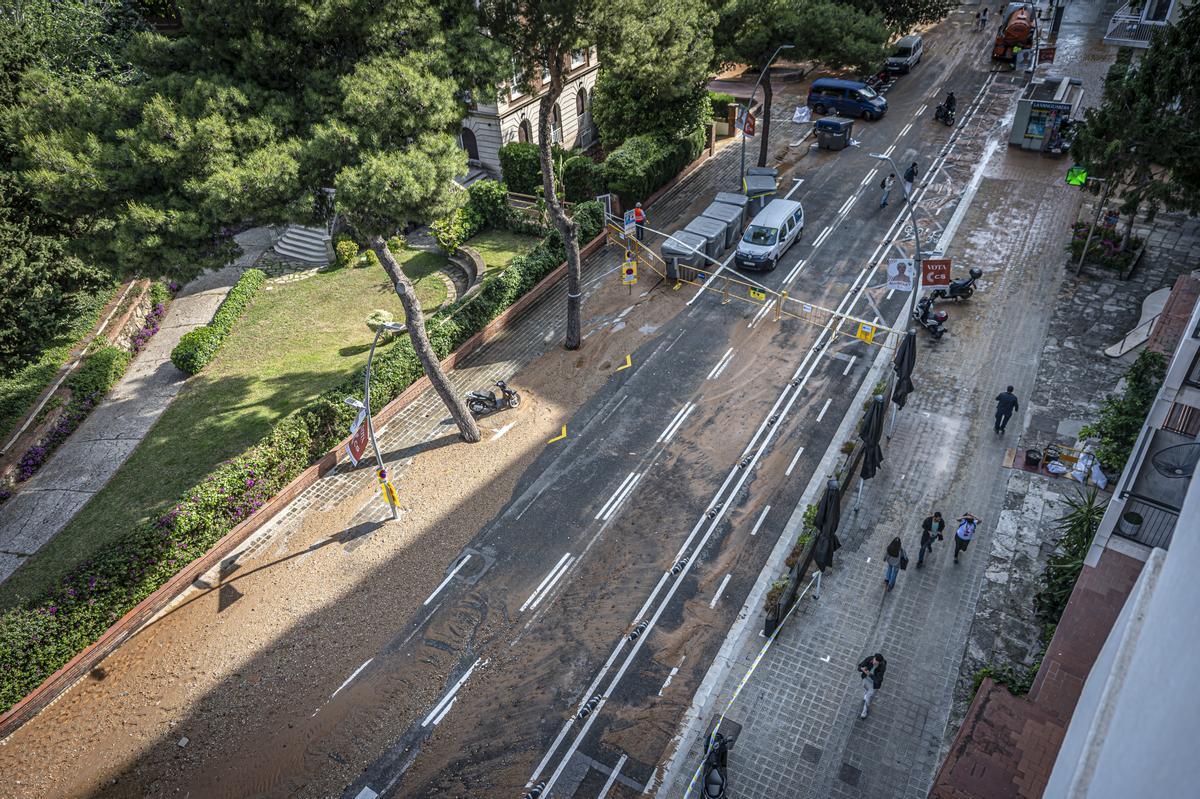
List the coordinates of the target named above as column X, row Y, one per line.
column 912, row 217
column 750, row 102
column 365, row 405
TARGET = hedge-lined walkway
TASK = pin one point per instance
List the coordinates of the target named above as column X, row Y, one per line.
column 94, row 452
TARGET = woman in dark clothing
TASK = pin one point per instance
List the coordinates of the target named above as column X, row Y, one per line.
column 894, row 553
column 872, row 670
column 931, row 530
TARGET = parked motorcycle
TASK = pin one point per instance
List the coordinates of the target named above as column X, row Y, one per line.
column 960, row 289
column 481, row 402
column 877, row 80
column 716, row 761
column 944, row 114
column 933, row 321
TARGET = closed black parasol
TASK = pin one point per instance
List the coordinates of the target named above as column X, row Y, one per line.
column 906, row 358
column 870, row 433
column 829, row 512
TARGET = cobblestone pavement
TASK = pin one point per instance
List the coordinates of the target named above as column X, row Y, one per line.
column 94, row 452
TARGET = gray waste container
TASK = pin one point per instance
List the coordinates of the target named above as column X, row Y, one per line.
column 683, row 249
column 732, row 198
column 730, row 217
column 713, row 232
column 761, row 190
column 833, row 134
column 769, row 171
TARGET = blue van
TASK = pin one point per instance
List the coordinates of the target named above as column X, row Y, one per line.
column 849, row 98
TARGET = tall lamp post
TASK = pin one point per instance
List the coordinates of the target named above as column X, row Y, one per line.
column 750, row 102
column 912, row 217
column 365, row 405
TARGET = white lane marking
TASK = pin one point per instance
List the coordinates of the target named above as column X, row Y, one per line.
column 904, row 130
column 824, row 408
column 796, row 457
column 869, row 177
column 795, row 271
column 366, row 793
column 670, row 432
column 620, row 488
column 721, row 367
column 614, row 407
column 613, row 777
column 449, row 697
column 445, row 710
column 503, row 430
column 849, row 365
column 762, row 518
column 791, row 191
column 558, row 567
column 622, row 314
column 642, row 611
column 846, row 205
column 351, row 677
column 890, row 150
column 821, row 238
column 889, row 295
column 921, row 110
column 553, row 582
column 622, row 498
column 711, row 277
column 758, row 316
column 712, row 604
column 728, row 354
column 449, row 577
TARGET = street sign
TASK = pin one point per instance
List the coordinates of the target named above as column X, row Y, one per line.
column 629, row 273
column 900, row 274
column 935, row 272
column 755, row 294
column 865, row 332
column 630, row 224
column 359, row 438
column 745, row 121
column 1077, row 176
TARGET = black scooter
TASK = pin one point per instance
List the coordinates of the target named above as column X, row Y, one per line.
column 960, row 289
column 716, row 761
column 480, row 402
column 944, row 114
column 934, row 321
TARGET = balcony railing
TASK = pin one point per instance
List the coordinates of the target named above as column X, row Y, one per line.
column 1156, row 529
column 1128, row 28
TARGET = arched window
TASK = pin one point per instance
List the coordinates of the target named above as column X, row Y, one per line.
column 525, row 132
column 469, row 144
column 581, row 102
column 556, row 126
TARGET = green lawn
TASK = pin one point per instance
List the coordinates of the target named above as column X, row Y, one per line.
column 19, row 390
column 498, row 247
column 421, row 268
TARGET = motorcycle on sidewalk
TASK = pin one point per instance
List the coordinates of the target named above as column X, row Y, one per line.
column 933, row 321
column 485, row 402
column 960, row 289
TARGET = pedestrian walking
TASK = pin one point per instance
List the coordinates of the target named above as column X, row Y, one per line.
column 965, row 532
column 886, row 184
column 983, row 19
column 977, row 25
column 872, row 670
column 639, row 218
column 1006, row 405
column 931, row 530
column 910, row 177
column 895, row 559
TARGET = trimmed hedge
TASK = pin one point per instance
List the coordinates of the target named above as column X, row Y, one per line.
column 520, row 167
column 644, row 163
column 583, row 179
column 38, row 638
column 197, row 347
column 719, row 102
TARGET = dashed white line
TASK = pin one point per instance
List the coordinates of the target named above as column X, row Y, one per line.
column 921, row 110
column 796, row 457
column 758, row 316
column 762, row 518
column 890, row 150
column 449, row 577
column 824, row 408
column 849, row 365
column 442, row 715
column 846, row 205
column 621, row 497
column 795, row 271
column 889, row 295
column 821, row 238
column 676, row 423
column 547, row 578
column 621, row 487
column 449, row 697
column 869, row 177
column 613, row 776
column 904, row 130
column 351, row 677
column 720, row 364
column 712, row 604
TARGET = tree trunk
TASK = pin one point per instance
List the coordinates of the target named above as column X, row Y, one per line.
column 1127, row 234
column 567, row 227
column 420, row 341
column 763, row 150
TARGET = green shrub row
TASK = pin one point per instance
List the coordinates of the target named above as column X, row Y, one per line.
column 41, row 635
column 197, row 347
column 99, row 371
column 720, row 102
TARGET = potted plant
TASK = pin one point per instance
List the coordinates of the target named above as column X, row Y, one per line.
column 774, row 606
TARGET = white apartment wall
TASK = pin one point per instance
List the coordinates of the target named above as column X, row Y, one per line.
column 511, row 119
column 1134, row 730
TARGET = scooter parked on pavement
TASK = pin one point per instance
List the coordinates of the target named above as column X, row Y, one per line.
column 480, row 402
column 960, row 289
column 944, row 114
column 716, row 761
column 934, row 322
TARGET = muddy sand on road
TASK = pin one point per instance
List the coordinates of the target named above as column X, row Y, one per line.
column 234, row 666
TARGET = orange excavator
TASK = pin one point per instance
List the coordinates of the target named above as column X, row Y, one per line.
column 1017, row 30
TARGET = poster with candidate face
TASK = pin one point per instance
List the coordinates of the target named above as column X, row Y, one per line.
column 900, row 274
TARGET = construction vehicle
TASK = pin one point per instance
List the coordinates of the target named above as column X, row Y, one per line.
column 1018, row 31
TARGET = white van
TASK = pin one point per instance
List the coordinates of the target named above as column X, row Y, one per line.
column 769, row 236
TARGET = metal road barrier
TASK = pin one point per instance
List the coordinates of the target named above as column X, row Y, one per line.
column 744, row 289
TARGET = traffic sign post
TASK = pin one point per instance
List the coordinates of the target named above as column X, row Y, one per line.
column 630, row 224
column 866, row 332
column 629, row 274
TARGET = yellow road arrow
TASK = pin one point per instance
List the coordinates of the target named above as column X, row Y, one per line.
column 559, row 438
column 628, row 363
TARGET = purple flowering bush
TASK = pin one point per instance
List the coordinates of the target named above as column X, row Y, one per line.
column 1105, row 248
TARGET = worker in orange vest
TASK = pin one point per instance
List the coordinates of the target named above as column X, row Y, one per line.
column 639, row 218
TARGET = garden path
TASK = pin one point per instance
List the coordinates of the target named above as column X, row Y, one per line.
column 94, row 452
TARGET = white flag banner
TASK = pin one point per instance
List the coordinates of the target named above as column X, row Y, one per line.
column 803, row 114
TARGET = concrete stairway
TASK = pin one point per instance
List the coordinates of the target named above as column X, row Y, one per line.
column 306, row 244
